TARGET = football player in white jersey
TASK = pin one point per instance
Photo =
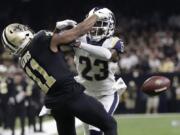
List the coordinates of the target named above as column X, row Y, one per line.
column 95, row 58
column 96, row 53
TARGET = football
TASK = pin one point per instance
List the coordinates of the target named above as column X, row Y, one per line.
column 155, row 85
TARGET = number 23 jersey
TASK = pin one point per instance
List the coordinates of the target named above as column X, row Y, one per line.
column 94, row 73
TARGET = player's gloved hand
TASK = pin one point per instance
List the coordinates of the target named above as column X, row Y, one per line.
column 120, row 86
column 76, row 44
column 44, row 111
column 63, row 24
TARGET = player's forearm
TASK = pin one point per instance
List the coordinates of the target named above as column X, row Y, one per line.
column 81, row 29
column 85, row 26
column 98, row 51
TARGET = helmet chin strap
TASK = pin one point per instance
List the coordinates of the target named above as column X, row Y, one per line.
column 98, row 43
column 98, row 38
column 23, row 46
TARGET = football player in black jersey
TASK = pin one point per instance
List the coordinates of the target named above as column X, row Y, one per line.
column 43, row 61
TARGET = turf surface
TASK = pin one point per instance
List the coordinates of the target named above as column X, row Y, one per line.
column 147, row 124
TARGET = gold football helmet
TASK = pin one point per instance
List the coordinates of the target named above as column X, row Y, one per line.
column 16, row 37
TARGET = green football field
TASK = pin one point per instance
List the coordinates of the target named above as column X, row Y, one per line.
column 164, row 124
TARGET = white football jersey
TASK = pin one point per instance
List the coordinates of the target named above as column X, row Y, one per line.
column 96, row 74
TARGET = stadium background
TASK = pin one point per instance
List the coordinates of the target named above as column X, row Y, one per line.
column 150, row 30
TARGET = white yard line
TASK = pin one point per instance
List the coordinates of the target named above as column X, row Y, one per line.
column 130, row 116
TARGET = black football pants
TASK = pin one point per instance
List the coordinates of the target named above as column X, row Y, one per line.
column 87, row 109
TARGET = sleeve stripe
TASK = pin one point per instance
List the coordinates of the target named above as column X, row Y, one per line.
column 114, row 41
column 118, row 45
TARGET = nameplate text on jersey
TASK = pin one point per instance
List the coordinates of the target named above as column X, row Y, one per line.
column 25, row 58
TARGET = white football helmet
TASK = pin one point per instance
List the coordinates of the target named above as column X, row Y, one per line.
column 16, row 37
column 104, row 27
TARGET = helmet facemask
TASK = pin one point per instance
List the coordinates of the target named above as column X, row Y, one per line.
column 103, row 28
column 16, row 37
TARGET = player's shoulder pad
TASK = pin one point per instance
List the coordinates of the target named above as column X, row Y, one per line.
column 117, row 44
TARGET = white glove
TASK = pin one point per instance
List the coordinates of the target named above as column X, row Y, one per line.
column 44, row 111
column 63, row 24
column 120, row 86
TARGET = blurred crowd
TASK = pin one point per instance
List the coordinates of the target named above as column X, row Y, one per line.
column 152, row 46
column 19, row 98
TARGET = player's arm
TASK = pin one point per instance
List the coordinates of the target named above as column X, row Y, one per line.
column 102, row 52
column 68, row 36
column 97, row 51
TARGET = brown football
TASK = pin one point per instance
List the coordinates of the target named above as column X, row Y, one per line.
column 155, row 85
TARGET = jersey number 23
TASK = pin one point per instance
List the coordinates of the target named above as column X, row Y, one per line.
column 103, row 69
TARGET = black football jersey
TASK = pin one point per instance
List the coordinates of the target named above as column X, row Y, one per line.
column 48, row 69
